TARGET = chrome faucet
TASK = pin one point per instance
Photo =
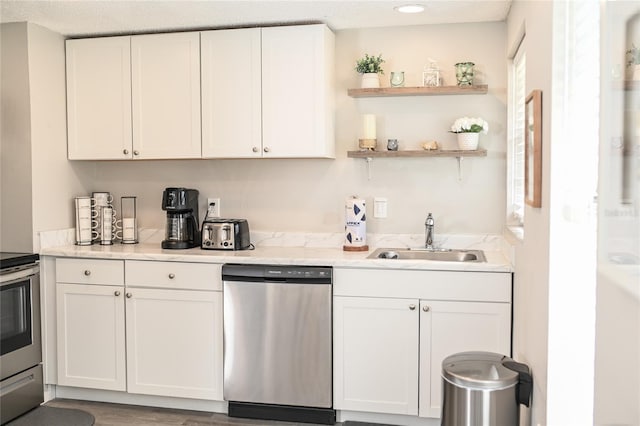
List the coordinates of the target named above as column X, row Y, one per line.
column 429, row 225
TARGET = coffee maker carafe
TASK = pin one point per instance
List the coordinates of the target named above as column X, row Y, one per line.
column 182, row 230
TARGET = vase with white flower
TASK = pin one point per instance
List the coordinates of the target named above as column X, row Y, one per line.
column 468, row 130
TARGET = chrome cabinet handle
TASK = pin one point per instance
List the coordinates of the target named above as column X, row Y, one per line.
column 255, row 149
column 116, row 293
column 172, row 276
column 412, row 307
column 425, row 308
column 136, row 152
column 87, row 272
column 129, row 295
column 266, row 149
column 125, row 151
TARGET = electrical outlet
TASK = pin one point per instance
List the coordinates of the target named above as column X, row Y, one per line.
column 213, row 207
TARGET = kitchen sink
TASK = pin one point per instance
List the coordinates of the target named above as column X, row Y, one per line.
column 441, row 255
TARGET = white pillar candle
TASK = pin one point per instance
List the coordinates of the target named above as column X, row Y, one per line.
column 369, row 126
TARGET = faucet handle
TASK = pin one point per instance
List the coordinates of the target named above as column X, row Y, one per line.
column 429, row 220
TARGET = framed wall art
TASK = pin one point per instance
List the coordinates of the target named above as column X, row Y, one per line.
column 533, row 149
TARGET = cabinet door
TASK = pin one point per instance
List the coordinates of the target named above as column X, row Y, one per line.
column 99, row 98
column 165, row 71
column 91, row 342
column 447, row 328
column 174, row 343
column 231, row 93
column 297, row 91
column 376, row 355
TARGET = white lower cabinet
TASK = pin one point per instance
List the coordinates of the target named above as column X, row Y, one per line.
column 447, row 328
column 174, row 343
column 376, row 355
column 91, row 336
column 389, row 347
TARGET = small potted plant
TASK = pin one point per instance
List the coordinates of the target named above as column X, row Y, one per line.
column 370, row 67
column 633, row 61
column 468, row 131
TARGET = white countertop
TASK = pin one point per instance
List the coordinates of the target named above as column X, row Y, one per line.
column 323, row 256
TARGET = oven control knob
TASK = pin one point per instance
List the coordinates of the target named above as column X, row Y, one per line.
column 87, row 272
column 226, row 244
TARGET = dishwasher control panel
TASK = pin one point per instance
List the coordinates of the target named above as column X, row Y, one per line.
column 286, row 273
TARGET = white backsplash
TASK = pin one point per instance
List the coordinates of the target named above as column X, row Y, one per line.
column 66, row 237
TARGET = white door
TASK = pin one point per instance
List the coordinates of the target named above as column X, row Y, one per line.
column 376, row 355
column 297, row 90
column 91, row 342
column 165, row 71
column 99, row 98
column 174, row 343
column 231, row 93
column 447, row 328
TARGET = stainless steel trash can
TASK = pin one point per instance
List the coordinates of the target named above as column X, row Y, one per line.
column 483, row 389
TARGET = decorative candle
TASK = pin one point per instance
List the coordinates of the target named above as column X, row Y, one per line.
column 369, row 126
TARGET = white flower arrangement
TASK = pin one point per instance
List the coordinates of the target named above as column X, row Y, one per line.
column 470, row 125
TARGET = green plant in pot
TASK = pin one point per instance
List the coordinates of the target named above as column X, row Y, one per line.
column 370, row 67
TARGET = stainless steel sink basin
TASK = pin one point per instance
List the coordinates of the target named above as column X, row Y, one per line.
column 437, row 255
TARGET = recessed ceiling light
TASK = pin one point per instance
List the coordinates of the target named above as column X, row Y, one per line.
column 410, row 8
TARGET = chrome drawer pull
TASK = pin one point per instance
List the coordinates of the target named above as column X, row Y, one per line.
column 87, row 272
column 116, row 293
column 172, row 276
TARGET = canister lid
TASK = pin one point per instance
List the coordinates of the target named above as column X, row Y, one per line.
column 479, row 370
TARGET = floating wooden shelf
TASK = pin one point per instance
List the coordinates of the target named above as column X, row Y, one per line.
column 418, row 91
column 418, row 153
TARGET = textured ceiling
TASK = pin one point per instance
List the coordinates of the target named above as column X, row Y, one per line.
column 98, row 17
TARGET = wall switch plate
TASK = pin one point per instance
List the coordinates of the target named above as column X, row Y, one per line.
column 380, row 207
column 213, row 207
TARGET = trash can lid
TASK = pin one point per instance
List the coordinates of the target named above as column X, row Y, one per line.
column 479, row 370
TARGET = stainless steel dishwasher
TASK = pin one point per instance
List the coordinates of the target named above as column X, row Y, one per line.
column 278, row 342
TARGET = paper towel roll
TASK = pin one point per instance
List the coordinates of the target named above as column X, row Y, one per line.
column 355, row 225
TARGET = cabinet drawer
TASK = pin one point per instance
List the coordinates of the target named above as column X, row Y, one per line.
column 90, row 271
column 177, row 275
column 433, row 285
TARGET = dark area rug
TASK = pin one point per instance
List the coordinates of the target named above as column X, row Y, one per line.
column 53, row 416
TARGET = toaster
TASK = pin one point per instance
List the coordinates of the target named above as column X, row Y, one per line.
column 225, row 234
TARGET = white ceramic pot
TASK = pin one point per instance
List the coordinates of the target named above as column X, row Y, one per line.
column 468, row 141
column 370, row 80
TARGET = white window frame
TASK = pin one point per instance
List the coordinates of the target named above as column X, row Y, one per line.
column 515, row 147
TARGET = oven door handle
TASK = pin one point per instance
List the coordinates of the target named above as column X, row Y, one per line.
column 17, row 385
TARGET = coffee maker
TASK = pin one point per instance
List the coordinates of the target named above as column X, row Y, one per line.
column 182, row 231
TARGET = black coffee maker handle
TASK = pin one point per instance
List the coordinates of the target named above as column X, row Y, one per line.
column 525, row 381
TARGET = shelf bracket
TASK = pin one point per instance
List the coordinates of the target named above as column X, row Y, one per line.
column 460, row 158
column 369, row 160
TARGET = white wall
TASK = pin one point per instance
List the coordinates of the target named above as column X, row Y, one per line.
column 531, row 277
column 308, row 195
column 15, row 146
column 38, row 183
column 55, row 180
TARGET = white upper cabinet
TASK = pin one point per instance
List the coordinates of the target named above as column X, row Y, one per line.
column 231, row 93
column 99, row 98
column 268, row 92
column 165, row 71
column 297, row 91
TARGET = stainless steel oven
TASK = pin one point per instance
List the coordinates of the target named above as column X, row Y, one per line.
column 21, row 385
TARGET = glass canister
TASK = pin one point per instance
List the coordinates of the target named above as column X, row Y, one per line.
column 129, row 220
column 431, row 75
column 465, row 73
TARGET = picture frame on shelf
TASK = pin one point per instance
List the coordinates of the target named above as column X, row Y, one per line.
column 533, row 149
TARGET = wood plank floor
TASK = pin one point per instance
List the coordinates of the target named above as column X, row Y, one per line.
column 107, row 414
